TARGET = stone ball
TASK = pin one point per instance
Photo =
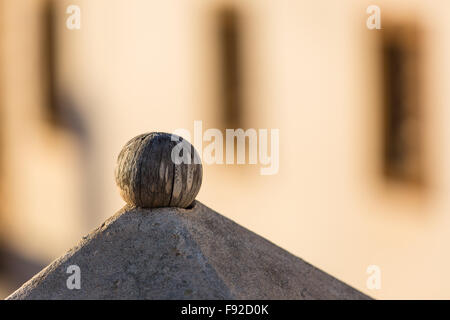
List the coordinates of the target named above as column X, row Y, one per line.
column 159, row 170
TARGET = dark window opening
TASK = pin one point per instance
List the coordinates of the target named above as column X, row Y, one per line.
column 229, row 31
column 402, row 111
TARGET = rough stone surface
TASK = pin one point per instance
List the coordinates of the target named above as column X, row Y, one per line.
column 147, row 176
column 174, row 253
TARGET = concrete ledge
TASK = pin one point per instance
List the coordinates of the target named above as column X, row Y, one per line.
column 172, row 253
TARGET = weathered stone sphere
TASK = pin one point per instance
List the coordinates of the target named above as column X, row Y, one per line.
column 159, row 170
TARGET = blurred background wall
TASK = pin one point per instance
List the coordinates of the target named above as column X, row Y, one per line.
column 363, row 115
